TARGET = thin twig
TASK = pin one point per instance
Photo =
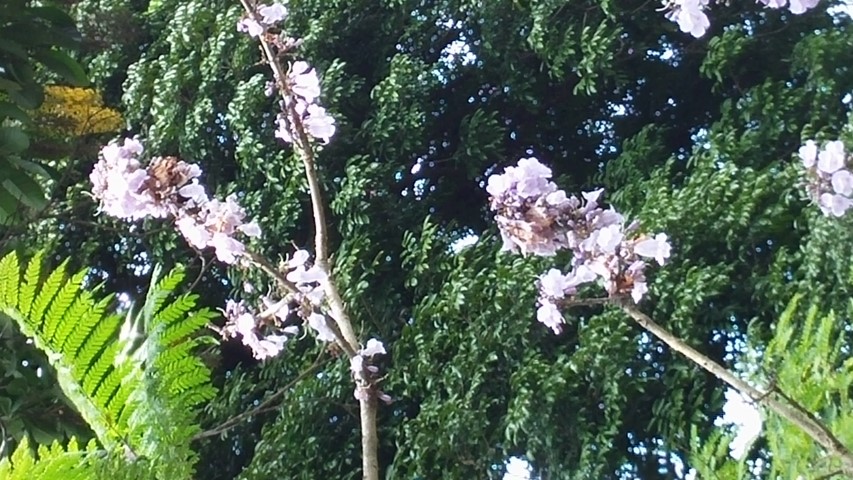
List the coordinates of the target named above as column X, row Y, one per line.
column 588, row 302
column 266, row 404
column 787, row 409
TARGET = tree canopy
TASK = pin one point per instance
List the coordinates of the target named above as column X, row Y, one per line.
column 694, row 137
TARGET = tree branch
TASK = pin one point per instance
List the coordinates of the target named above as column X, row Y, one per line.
column 349, row 341
column 266, row 404
column 787, row 408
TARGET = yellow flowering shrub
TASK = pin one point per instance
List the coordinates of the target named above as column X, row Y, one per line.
column 77, row 111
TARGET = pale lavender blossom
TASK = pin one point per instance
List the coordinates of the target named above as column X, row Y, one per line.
column 831, row 158
column 535, row 217
column 282, row 130
column 227, row 249
column 527, row 207
column 808, row 154
column 242, row 322
column 798, row 7
column 318, row 123
column 690, row 16
column 268, row 15
column 280, row 309
column 553, row 284
column 837, row 205
column 250, row 26
column 795, row 6
column 549, row 315
column 657, row 248
column 194, row 191
column 308, row 280
column 118, row 182
column 272, row 14
column 251, row 229
column 301, row 275
column 299, row 259
column 303, row 81
column 194, row 233
column 829, row 179
column 638, row 291
column 373, row 347
column 356, row 365
column 169, row 187
column 842, row 182
column 318, row 323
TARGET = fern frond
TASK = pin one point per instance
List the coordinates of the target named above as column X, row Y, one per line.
column 159, row 292
column 176, row 310
column 62, row 302
column 98, row 370
column 189, row 325
column 110, row 385
column 120, row 403
column 144, row 401
column 32, row 313
column 29, row 286
column 103, row 332
column 10, row 277
column 784, row 329
column 74, row 336
column 46, row 292
column 54, row 462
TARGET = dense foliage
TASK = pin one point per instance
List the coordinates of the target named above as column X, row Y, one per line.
column 695, row 137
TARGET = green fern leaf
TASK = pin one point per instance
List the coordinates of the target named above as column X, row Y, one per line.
column 191, row 324
column 61, row 304
column 47, row 291
column 98, row 370
column 176, row 310
column 120, row 404
column 30, row 285
column 144, row 401
column 160, row 291
column 54, row 462
column 79, row 325
column 10, row 278
column 109, row 387
column 99, row 336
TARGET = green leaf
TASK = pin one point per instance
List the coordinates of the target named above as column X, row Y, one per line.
column 29, row 96
column 54, row 15
column 10, row 110
column 14, row 48
column 9, row 85
column 63, row 65
column 28, row 190
column 35, row 168
column 13, row 140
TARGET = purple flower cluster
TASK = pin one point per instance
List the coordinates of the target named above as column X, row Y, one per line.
column 304, row 86
column 529, row 209
column 794, row 6
column 830, row 181
column 168, row 187
column 534, row 216
column 300, row 88
column 266, row 332
column 242, row 323
column 691, row 18
column 268, row 16
column 364, row 374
